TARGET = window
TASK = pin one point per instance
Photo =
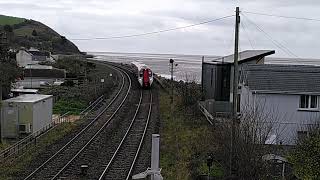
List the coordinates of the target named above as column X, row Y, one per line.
column 238, row 103
column 308, row 102
column 314, row 102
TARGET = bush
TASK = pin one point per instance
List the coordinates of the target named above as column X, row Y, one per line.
column 34, row 33
column 306, row 157
column 72, row 106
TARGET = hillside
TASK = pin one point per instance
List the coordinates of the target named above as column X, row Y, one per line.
column 30, row 33
column 10, row 20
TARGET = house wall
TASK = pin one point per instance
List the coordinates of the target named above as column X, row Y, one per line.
column 282, row 112
column 24, row 58
column 215, row 81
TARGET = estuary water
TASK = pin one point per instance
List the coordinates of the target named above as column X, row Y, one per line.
column 188, row 66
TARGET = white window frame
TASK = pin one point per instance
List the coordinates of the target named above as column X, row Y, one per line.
column 309, row 103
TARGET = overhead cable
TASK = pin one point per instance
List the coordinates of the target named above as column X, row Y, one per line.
column 280, row 16
column 275, row 42
column 153, row 32
column 242, row 25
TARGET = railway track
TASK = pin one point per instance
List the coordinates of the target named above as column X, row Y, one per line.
column 117, row 161
column 123, row 160
column 49, row 168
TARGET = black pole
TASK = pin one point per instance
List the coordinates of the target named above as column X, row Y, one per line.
column 171, row 62
column 235, row 91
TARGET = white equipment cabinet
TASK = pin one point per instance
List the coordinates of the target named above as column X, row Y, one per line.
column 25, row 114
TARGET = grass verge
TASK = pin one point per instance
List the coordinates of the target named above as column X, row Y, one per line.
column 10, row 169
column 186, row 142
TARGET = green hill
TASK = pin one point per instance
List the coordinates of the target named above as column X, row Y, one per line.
column 30, row 33
column 10, row 20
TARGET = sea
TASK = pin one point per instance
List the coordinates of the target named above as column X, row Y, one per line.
column 187, row 67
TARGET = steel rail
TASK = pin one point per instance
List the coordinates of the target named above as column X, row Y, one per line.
column 125, row 136
column 96, row 134
column 142, row 138
column 85, row 128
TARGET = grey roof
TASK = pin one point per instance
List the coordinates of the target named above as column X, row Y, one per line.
column 245, row 56
column 28, row 98
column 25, row 90
column 291, row 79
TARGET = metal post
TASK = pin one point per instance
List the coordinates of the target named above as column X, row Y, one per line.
column 155, row 154
column 283, row 170
column 171, row 70
column 235, row 86
column 202, row 92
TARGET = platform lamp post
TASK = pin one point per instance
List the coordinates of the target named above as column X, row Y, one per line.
column 172, row 64
column 171, row 61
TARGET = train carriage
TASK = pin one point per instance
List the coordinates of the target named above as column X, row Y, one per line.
column 144, row 74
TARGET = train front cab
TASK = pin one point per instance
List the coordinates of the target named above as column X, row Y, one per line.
column 146, row 74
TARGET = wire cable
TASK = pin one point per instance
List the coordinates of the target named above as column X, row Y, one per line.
column 275, row 42
column 150, row 33
column 246, row 34
column 280, row 16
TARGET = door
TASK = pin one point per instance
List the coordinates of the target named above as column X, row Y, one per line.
column 145, row 77
column 10, row 121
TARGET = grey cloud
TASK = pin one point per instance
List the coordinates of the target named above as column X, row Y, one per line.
column 98, row 18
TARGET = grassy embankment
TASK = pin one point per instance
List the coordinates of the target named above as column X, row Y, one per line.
column 10, row 169
column 74, row 98
column 70, row 97
column 186, row 141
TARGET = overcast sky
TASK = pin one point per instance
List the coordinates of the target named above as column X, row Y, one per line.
column 88, row 19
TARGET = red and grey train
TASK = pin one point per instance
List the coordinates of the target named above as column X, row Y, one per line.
column 144, row 74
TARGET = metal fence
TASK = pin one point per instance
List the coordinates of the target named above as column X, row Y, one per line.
column 22, row 145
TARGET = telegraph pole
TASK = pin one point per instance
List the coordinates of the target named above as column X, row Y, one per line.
column 235, row 89
column 3, row 54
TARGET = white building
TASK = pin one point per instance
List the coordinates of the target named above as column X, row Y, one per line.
column 285, row 96
column 32, row 56
column 25, row 114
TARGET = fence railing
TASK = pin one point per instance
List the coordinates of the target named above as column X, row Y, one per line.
column 22, row 145
column 204, row 111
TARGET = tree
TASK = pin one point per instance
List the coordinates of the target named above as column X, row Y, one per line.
column 255, row 127
column 8, row 69
column 34, row 33
column 63, row 39
column 306, row 156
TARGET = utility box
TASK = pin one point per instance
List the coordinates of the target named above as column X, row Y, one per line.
column 25, row 114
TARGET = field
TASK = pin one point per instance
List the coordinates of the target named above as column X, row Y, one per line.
column 10, row 20
column 24, row 31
